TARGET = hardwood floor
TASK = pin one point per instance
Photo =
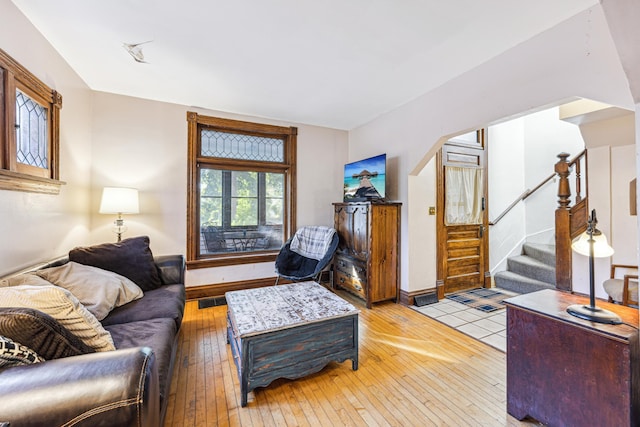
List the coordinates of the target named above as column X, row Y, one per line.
column 413, row 371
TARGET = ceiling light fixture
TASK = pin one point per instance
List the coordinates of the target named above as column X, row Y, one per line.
column 136, row 51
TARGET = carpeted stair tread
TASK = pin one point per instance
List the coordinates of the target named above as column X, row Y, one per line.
column 543, row 253
column 520, row 284
column 527, row 266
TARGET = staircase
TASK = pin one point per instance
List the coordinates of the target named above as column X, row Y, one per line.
column 532, row 271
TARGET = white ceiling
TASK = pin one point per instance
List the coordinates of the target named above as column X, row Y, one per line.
column 334, row 63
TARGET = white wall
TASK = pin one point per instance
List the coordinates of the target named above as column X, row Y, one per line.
column 612, row 165
column 506, row 165
column 545, row 137
column 143, row 144
column 548, row 69
column 37, row 227
column 623, row 237
column 423, row 193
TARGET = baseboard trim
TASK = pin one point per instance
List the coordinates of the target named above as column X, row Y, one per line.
column 408, row 298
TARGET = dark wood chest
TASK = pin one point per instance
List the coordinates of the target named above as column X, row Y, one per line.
column 367, row 262
column 565, row 371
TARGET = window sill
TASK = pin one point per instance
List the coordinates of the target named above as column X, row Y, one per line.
column 220, row 261
column 15, row 181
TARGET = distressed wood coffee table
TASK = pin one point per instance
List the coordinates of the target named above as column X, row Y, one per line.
column 288, row 331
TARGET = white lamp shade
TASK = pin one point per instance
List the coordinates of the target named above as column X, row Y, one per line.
column 119, row 200
column 601, row 248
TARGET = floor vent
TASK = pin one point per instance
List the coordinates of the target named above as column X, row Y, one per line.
column 425, row 299
column 211, row 302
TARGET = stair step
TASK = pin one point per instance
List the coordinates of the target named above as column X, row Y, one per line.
column 514, row 282
column 543, row 253
column 527, row 266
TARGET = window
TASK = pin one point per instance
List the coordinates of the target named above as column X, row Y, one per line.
column 29, row 130
column 241, row 197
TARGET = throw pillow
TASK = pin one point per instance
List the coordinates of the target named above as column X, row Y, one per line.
column 131, row 258
column 16, row 354
column 40, row 332
column 60, row 304
column 100, row 291
column 24, row 279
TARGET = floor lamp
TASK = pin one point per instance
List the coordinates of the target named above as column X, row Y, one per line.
column 593, row 243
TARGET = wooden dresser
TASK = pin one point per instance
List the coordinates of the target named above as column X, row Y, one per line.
column 565, row 371
column 367, row 262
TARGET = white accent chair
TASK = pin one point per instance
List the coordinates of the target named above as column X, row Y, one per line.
column 623, row 290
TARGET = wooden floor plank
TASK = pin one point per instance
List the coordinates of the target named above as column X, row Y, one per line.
column 413, row 370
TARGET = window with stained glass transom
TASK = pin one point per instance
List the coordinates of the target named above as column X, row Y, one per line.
column 241, row 194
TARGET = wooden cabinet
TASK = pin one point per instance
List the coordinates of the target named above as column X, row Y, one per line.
column 565, row 371
column 367, row 262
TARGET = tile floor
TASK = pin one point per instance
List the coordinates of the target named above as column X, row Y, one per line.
column 490, row 328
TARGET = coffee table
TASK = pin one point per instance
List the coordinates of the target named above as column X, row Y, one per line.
column 288, row 331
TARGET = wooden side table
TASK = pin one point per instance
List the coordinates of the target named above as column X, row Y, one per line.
column 565, row 371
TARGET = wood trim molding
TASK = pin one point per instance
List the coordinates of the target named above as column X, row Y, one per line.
column 440, row 289
column 220, row 261
column 288, row 135
column 17, row 181
column 218, row 290
column 407, row 298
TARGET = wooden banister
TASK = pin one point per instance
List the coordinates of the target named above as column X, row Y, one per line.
column 566, row 167
column 570, row 220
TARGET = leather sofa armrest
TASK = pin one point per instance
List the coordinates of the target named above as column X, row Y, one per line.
column 107, row 388
column 171, row 268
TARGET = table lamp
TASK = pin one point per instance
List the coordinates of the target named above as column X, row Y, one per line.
column 593, row 243
column 116, row 200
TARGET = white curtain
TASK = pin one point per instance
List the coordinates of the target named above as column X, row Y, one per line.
column 464, row 188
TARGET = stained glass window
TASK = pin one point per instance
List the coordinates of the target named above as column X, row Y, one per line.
column 31, row 137
column 228, row 145
column 31, row 132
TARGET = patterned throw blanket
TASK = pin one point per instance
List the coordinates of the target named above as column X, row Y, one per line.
column 312, row 241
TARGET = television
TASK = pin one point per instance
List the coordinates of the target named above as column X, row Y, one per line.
column 365, row 180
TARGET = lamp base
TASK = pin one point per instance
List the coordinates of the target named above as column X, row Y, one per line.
column 594, row 314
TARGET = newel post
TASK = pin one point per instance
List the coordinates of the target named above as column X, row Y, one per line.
column 563, row 225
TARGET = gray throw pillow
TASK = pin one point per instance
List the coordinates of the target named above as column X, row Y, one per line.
column 131, row 258
column 100, row 291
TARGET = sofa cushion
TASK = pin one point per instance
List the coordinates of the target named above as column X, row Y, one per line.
column 166, row 301
column 160, row 336
column 100, row 291
column 16, row 354
column 132, row 258
column 62, row 306
column 40, row 332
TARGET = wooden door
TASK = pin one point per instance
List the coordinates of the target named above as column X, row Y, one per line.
column 462, row 233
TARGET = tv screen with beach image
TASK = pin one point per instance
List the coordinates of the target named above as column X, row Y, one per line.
column 365, row 179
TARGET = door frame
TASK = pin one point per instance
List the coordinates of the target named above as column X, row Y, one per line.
column 482, row 140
